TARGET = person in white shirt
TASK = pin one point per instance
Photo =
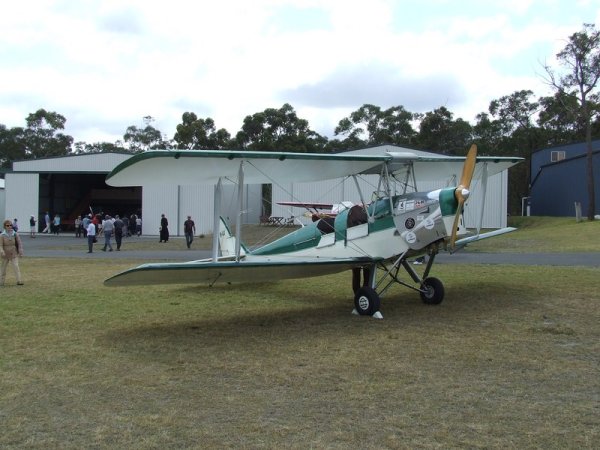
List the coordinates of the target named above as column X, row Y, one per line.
column 91, row 235
column 108, row 227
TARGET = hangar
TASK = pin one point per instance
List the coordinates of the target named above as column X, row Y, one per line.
column 559, row 179
column 71, row 185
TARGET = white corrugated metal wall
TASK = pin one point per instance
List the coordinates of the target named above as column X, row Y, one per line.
column 177, row 202
column 22, row 199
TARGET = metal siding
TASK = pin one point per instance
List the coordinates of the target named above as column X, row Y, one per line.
column 177, row 202
column 550, row 197
column 157, row 200
column 22, row 198
column 197, row 201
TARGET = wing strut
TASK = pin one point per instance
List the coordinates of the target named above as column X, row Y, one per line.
column 216, row 220
column 484, row 178
column 238, row 229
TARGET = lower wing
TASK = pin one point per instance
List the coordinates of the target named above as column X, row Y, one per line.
column 256, row 269
column 478, row 237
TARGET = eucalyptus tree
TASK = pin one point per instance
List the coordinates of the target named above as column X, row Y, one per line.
column 560, row 125
column 580, row 60
column 42, row 137
column 389, row 126
column 438, row 131
column 200, row 134
column 279, row 130
column 139, row 139
column 12, row 147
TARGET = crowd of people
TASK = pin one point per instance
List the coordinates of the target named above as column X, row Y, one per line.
column 88, row 226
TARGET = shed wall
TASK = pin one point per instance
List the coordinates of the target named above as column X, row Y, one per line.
column 23, row 200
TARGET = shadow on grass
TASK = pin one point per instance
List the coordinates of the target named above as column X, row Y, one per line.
column 276, row 319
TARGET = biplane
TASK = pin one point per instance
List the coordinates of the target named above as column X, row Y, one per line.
column 372, row 240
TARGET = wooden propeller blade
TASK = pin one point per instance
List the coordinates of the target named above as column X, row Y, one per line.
column 465, row 183
column 469, row 167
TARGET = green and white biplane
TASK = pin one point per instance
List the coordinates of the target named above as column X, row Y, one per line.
column 373, row 241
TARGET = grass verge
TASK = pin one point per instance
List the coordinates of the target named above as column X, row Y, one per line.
column 509, row 359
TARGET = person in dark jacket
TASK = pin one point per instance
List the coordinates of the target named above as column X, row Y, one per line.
column 164, row 229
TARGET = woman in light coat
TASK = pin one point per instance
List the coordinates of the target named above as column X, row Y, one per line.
column 11, row 248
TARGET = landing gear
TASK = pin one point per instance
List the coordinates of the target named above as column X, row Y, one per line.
column 432, row 291
column 366, row 301
column 368, row 292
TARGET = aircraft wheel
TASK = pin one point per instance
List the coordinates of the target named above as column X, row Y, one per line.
column 433, row 291
column 366, row 301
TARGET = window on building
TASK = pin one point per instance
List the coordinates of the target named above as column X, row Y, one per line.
column 557, row 156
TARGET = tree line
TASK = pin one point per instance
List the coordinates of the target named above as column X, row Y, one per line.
column 513, row 125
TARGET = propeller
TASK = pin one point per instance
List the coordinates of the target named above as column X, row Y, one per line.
column 461, row 193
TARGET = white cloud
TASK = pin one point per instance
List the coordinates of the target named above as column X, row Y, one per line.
column 105, row 65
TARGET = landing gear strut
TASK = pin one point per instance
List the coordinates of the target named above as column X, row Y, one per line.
column 366, row 299
column 367, row 293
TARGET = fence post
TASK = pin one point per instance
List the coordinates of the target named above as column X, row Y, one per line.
column 578, row 211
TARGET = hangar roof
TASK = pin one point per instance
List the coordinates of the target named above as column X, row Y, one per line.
column 92, row 162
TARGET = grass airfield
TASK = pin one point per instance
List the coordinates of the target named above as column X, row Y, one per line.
column 509, row 359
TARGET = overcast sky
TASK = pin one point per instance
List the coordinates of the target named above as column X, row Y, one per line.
column 106, row 64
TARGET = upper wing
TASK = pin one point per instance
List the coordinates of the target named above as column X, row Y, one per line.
column 207, row 166
column 256, row 269
column 440, row 167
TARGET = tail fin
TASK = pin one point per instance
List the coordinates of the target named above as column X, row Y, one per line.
column 227, row 242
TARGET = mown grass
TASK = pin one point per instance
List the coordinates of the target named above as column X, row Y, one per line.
column 545, row 234
column 509, row 359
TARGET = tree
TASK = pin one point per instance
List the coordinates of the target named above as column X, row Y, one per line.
column 439, row 132
column 279, row 130
column 391, row 126
column 12, row 147
column 509, row 128
column 561, row 125
column 581, row 60
column 194, row 133
column 82, row 148
column 142, row 139
column 41, row 137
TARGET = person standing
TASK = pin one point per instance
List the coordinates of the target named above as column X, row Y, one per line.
column 91, row 235
column 78, row 224
column 108, row 227
column 189, row 229
column 48, row 223
column 84, row 224
column 56, row 224
column 119, row 225
column 32, row 229
column 164, row 229
column 138, row 225
column 11, row 249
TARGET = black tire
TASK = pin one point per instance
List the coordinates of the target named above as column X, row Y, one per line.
column 433, row 291
column 366, row 301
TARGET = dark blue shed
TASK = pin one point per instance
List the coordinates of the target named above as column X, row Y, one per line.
column 559, row 179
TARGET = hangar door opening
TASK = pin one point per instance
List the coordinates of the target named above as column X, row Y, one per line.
column 71, row 195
